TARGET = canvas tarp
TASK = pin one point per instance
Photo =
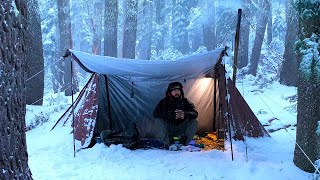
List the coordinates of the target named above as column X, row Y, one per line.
column 129, row 90
column 187, row 67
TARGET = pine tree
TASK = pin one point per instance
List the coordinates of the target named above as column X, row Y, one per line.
column 129, row 28
column 289, row 69
column 110, row 28
column 308, row 120
column 259, row 37
column 209, row 26
column 13, row 148
column 180, row 22
column 35, row 65
column 48, row 16
column 160, row 25
column 145, row 30
column 65, row 40
column 96, row 22
column 243, row 58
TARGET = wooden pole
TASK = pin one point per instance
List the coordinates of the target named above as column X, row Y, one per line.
column 237, row 40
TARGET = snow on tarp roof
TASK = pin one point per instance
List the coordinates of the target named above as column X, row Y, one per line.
column 187, row 66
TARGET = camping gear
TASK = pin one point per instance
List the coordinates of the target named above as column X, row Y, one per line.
column 125, row 91
column 126, row 138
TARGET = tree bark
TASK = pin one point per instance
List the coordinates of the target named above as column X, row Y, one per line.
column 308, row 119
column 209, row 27
column 196, row 31
column 13, row 149
column 260, row 31
column 289, row 69
column 180, row 40
column 129, row 28
column 244, row 38
column 96, row 21
column 146, row 30
column 65, row 43
column 35, row 65
column 269, row 27
column 160, row 21
column 110, row 28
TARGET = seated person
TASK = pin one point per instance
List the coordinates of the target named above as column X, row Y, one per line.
column 176, row 116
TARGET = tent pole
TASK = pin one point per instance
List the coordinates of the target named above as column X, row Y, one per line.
column 214, row 104
column 229, row 127
column 237, row 40
column 73, row 123
column 74, row 104
column 228, row 116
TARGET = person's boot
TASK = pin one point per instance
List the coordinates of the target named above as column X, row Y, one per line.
column 183, row 140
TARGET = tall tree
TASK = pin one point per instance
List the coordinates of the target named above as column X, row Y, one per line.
column 289, row 69
column 96, row 22
column 35, row 65
column 196, row 27
column 146, row 18
column 308, row 47
column 65, row 43
column 225, row 24
column 129, row 28
column 110, row 28
column 209, row 26
column 81, row 12
column 160, row 25
column 260, row 31
column 269, row 27
column 49, row 23
column 243, row 58
column 180, row 22
column 14, row 156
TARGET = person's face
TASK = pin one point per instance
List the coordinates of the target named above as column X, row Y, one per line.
column 176, row 93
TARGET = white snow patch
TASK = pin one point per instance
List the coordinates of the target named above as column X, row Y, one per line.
column 51, row 152
column 14, row 8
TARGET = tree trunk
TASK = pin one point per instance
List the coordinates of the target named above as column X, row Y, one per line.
column 209, row 27
column 146, row 30
column 110, row 28
column 81, row 25
column 65, row 43
column 308, row 124
column 57, row 69
column 49, row 22
column 269, row 27
column 289, row 69
column 14, row 156
column 196, row 39
column 243, row 58
column 260, row 31
column 160, row 21
column 180, row 40
column 35, row 65
column 196, row 31
column 96, row 21
column 129, row 28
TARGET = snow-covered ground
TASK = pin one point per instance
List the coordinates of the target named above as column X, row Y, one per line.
column 51, row 152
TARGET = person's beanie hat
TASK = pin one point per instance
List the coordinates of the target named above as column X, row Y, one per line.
column 175, row 85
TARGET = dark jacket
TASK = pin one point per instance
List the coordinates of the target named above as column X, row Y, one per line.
column 166, row 108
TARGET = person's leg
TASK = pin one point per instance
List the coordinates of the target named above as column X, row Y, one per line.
column 186, row 130
column 162, row 131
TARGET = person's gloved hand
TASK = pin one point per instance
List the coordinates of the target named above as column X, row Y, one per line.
column 179, row 114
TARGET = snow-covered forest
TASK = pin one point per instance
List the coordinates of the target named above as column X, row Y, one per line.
column 272, row 55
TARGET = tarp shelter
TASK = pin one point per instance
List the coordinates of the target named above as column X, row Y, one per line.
column 123, row 91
